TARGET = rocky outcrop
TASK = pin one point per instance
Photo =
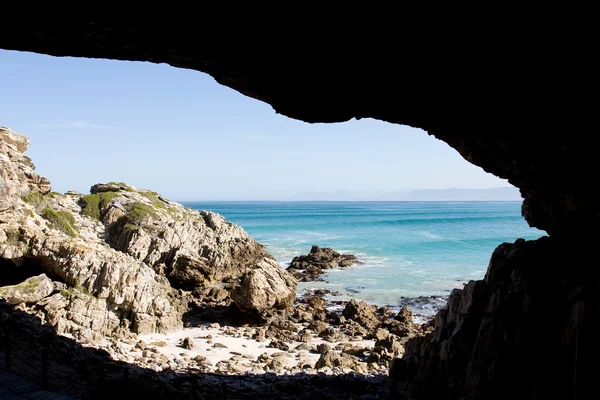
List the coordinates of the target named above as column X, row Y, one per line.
column 114, row 259
column 363, row 313
column 16, row 170
column 531, row 318
column 309, row 267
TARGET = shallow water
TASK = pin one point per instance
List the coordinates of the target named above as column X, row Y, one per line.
column 409, row 249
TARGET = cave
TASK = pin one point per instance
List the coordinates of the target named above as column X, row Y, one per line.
column 528, row 330
column 13, row 274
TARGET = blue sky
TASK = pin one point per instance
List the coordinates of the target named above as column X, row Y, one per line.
column 180, row 133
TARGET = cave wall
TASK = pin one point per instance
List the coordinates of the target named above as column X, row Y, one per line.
column 508, row 104
column 528, row 330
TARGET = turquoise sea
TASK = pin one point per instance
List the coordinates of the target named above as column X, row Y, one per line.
column 409, row 249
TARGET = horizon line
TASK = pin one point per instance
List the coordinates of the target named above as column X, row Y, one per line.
column 347, row 201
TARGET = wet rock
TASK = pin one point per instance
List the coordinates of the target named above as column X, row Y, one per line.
column 309, row 267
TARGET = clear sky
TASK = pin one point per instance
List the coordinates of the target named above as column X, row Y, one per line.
column 180, row 133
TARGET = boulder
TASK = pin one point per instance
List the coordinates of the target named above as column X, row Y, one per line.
column 30, row 291
column 265, row 289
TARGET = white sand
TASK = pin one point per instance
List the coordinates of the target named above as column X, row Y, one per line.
column 243, row 345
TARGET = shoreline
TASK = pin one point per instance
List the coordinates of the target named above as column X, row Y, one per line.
column 290, row 348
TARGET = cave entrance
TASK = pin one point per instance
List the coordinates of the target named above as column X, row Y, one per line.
column 12, row 273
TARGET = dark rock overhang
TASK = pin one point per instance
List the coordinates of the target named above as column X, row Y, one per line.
column 511, row 105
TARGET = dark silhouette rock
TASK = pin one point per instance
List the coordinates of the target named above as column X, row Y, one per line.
column 309, row 267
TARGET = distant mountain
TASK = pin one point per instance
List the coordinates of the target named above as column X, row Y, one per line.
column 508, row 193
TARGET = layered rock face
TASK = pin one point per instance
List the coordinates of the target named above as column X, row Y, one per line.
column 18, row 178
column 112, row 261
column 528, row 330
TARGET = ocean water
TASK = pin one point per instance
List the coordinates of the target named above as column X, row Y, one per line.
column 409, row 249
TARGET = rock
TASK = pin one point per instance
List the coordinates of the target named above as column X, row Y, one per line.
column 30, row 291
column 265, row 289
column 188, row 344
column 373, row 358
column 331, row 335
column 404, row 315
column 306, row 347
column 17, row 176
column 281, row 354
column 275, row 364
column 353, row 350
column 319, row 259
column 141, row 345
column 219, row 346
column 160, row 344
column 278, row 344
column 218, row 294
column 362, row 313
column 341, row 360
column 392, row 344
column 109, row 187
column 317, row 326
column 323, row 348
column 305, row 338
column 119, row 252
column 380, row 334
column 354, row 329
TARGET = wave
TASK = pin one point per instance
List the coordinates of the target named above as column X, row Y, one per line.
column 430, row 235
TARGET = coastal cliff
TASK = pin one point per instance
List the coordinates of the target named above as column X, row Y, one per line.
column 121, row 260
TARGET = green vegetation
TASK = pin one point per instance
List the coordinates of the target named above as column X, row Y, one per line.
column 131, row 227
column 61, row 220
column 23, row 287
column 174, row 213
column 73, row 291
column 28, row 286
column 92, row 204
column 140, row 212
column 153, row 197
column 125, row 186
column 33, row 198
column 14, row 236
